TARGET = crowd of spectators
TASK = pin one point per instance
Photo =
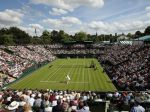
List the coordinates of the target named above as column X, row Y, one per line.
column 46, row 101
column 12, row 64
column 129, row 68
column 67, row 101
column 33, row 53
column 118, row 52
column 128, row 64
column 76, row 49
column 14, row 60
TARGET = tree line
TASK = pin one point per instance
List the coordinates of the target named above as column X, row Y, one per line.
column 16, row 36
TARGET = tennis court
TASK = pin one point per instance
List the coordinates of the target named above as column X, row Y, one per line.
column 53, row 76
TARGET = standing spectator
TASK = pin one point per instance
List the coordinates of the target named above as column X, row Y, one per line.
column 81, row 107
column 27, row 108
column 137, row 107
column 58, row 107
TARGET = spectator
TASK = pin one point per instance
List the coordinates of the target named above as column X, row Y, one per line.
column 137, row 107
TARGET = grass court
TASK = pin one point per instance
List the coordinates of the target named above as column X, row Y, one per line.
column 53, row 76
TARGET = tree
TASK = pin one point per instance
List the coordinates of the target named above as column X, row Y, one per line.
column 66, row 38
column 6, row 39
column 55, row 36
column 138, row 34
column 80, row 36
column 36, row 40
column 46, row 37
column 130, row 35
column 147, row 31
column 19, row 36
column 63, row 37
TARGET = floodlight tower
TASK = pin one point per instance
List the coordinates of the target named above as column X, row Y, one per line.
column 35, row 32
column 96, row 30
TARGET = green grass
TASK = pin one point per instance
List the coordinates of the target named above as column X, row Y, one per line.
column 82, row 77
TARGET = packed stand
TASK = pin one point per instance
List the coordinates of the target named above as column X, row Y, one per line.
column 45, row 101
column 76, row 49
column 118, row 53
column 12, row 65
column 14, row 60
column 70, row 101
column 29, row 54
column 44, row 53
column 132, row 71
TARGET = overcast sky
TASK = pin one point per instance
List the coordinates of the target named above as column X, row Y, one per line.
column 103, row 16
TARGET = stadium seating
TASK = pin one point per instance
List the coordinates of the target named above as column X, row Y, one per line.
column 128, row 66
column 14, row 60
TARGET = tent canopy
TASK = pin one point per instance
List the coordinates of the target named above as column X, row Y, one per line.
column 144, row 38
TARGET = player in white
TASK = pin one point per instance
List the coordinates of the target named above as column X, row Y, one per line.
column 68, row 78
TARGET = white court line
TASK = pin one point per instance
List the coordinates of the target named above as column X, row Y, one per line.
column 79, row 82
column 55, row 72
column 70, row 73
column 50, row 81
column 61, row 82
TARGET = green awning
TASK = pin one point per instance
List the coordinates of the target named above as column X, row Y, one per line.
column 144, row 38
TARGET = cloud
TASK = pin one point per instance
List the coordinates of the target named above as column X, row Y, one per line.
column 62, row 22
column 148, row 14
column 36, row 26
column 30, row 29
column 52, row 22
column 70, row 20
column 10, row 17
column 119, row 27
column 57, row 11
column 70, row 5
column 96, row 25
column 30, row 13
column 147, row 8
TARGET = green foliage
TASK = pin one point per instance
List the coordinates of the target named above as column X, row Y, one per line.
column 55, row 36
column 36, row 40
column 138, row 34
column 80, row 36
column 46, row 37
column 6, row 39
column 130, row 35
column 147, row 31
column 20, row 37
column 64, row 37
column 14, row 35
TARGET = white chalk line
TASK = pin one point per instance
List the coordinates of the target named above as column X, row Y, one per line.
column 62, row 82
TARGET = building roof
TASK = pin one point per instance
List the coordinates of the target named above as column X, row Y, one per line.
column 144, row 38
column 123, row 37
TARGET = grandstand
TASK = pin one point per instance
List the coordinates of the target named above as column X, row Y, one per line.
column 74, row 55
column 36, row 67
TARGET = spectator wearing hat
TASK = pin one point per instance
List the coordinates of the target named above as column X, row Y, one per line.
column 13, row 107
